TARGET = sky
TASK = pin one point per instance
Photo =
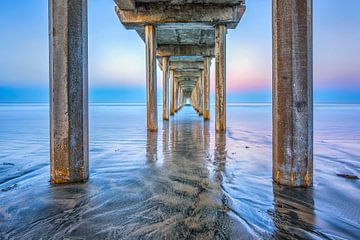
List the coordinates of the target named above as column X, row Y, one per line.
column 117, row 56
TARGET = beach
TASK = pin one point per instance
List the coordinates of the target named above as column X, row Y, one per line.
column 184, row 181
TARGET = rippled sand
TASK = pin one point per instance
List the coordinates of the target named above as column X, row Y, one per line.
column 184, row 182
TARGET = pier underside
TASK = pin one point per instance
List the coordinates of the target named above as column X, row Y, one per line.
column 183, row 37
column 187, row 34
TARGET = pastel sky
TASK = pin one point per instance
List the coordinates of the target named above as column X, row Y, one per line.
column 117, row 61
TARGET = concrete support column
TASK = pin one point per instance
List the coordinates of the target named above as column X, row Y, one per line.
column 192, row 99
column 292, row 92
column 196, row 97
column 206, row 76
column 172, row 95
column 69, row 149
column 165, row 63
column 151, row 83
column 220, row 81
column 201, row 94
column 180, row 96
column 175, row 95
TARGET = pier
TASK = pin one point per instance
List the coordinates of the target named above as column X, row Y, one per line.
column 183, row 37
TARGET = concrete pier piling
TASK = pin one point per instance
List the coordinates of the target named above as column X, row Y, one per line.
column 172, row 93
column 69, row 148
column 206, row 76
column 220, row 77
column 165, row 65
column 201, row 92
column 176, row 91
column 185, row 30
column 151, row 83
column 292, row 92
column 187, row 42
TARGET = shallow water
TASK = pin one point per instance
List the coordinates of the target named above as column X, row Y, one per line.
column 185, row 181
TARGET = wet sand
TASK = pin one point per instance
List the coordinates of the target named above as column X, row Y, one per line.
column 184, row 182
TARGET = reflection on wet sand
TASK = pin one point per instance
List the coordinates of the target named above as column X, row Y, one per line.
column 293, row 214
column 151, row 146
column 185, row 202
column 183, row 182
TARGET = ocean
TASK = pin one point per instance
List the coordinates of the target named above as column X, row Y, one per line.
column 184, row 182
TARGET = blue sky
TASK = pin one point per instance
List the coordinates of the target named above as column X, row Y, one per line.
column 117, row 62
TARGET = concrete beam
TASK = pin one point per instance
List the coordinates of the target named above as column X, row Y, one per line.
column 125, row 4
column 159, row 13
column 186, row 58
column 183, row 66
column 292, row 92
column 183, row 34
column 178, row 66
column 187, row 83
column 184, row 50
column 69, row 141
column 188, row 70
column 194, row 74
column 187, row 78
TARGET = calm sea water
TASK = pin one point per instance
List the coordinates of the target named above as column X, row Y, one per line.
column 185, row 181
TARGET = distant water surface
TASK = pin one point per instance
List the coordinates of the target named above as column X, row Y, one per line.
column 183, row 182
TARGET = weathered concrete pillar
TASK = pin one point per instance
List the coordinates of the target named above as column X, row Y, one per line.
column 179, row 98
column 201, row 94
column 178, row 95
column 151, row 84
column 220, row 83
column 192, row 99
column 165, row 63
column 198, row 96
column 195, row 92
column 292, row 92
column 175, row 95
column 206, row 73
column 69, row 149
column 172, row 95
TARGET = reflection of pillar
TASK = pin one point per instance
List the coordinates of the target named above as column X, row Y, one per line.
column 69, row 151
column 172, row 103
column 151, row 85
column 206, row 74
column 206, row 136
column 220, row 153
column 165, row 137
column 292, row 93
column 172, row 135
column 151, row 146
column 165, row 64
column 220, row 66
column 293, row 209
